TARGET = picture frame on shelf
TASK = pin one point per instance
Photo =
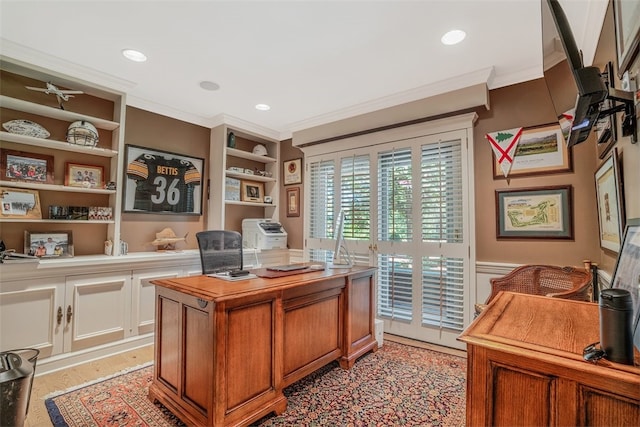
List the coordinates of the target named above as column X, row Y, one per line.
column 26, row 167
column 610, row 203
column 293, row 201
column 535, row 213
column 626, row 16
column 292, row 172
column 540, row 151
column 252, row 191
column 19, row 203
column 162, row 182
column 85, row 176
column 48, row 244
column 605, row 129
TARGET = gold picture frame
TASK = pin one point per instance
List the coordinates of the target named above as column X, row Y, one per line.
column 86, row 176
column 293, row 201
column 19, row 203
column 292, row 173
column 252, row 191
column 48, row 244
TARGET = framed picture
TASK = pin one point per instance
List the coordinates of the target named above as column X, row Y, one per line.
column 541, row 150
column 162, row 182
column 627, row 270
column 606, row 126
column 26, row 167
column 626, row 15
column 292, row 172
column 293, row 201
column 252, row 191
column 534, row 213
column 48, row 244
column 19, row 203
column 87, row 176
column 610, row 203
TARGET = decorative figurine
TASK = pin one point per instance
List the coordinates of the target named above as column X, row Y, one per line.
column 166, row 240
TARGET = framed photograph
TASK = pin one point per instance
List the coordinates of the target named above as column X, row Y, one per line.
column 293, row 201
column 610, row 203
column 541, row 150
column 162, row 182
column 252, row 191
column 292, row 172
column 48, row 244
column 606, row 126
column 19, row 203
column 626, row 15
column 535, row 213
column 26, row 167
column 87, row 176
column 625, row 274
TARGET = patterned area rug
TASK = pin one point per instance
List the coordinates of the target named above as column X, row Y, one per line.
column 397, row 385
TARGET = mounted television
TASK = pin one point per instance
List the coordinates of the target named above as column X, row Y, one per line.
column 577, row 92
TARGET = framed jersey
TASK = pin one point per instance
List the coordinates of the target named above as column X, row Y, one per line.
column 162, row 182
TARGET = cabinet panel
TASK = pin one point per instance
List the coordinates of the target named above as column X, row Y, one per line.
column 143, row 297
column 28, row 316
column 98, row 309
column 600, row 408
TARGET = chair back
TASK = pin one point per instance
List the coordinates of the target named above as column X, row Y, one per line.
column 220, row 250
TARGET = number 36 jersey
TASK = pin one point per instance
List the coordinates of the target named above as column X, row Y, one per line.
column 163, row 184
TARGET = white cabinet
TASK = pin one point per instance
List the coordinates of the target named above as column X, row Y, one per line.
column 104, row 109
column 240, row 165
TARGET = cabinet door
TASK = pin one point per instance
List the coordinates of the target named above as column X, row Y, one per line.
column 97, row 309
column 29, row 315
column 143, row 296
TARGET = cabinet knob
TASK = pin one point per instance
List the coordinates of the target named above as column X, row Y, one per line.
column 59, row 316
column 69, row 314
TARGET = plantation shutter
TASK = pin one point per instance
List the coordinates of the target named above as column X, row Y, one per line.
column 355, row 196
column 321, row 206
column 395, row 196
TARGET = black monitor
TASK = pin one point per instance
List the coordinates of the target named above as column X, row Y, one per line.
column 572, row 86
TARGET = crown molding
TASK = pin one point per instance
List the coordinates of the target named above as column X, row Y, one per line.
column 524, row 75
column 426, row 91
column 164, row 110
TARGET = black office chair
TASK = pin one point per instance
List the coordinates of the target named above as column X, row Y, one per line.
column 220, row 251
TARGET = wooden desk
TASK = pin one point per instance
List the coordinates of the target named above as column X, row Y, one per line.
column 525, row 367
column 224, row 351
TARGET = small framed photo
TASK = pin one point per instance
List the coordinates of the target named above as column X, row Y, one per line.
column 100, row 213
column 19, row 203
column 292, row 172
column 610, row 203
column 293, row 201
column 26, row 167
column 534, row 213
column 87, row 176
column 252, row 191
column 48, row 244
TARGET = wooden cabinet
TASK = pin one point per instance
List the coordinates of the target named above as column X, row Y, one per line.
column 231, row 167
column 106, row 111
column 525, row 367
column 225, row 353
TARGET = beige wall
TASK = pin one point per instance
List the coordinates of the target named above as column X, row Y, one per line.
column 293, row 225
column 160, row 132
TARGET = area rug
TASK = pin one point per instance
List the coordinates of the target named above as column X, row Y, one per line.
column 399, row 385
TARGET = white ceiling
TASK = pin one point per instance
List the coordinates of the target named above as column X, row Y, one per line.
column 312, row 62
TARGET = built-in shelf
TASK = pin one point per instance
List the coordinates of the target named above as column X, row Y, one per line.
column 250, row 177
column 56, row 145
column 236, row 202
column 249, row 156
column 58, row 221
column 54, row 187
column 54, row 113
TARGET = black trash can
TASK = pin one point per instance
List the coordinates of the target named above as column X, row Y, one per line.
column 17, row 368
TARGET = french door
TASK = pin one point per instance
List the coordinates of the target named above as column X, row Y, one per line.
column 407, row 205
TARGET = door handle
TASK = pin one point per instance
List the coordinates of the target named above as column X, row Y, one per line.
column 69, row 314
column 59, row 315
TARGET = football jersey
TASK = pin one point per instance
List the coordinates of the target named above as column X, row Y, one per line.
column 162, row 184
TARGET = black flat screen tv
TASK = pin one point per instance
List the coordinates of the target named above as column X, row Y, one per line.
column 572, row 86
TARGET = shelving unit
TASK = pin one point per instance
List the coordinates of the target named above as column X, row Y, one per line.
column 228, row 214
column 103, row 108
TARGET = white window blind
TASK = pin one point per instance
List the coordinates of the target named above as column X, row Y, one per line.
column 442, row 192
column 443, row 292
column 394, row 294
column 321, row 220
column 355, row 196
column 395, row 196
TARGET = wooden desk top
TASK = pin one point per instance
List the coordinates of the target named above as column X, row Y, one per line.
column 214, row 289
column 550, row 328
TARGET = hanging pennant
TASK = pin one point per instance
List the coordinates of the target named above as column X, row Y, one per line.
column 504, row 145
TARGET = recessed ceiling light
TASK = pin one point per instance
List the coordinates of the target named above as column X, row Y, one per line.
column 263, row 107
column 134, row 55
column 453, row 37
column 207, row 85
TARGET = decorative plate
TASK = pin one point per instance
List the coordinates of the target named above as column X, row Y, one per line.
column 27, row 128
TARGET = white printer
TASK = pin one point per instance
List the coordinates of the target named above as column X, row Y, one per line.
column 263, row 234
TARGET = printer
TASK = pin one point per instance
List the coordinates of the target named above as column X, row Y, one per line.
column 263, row 234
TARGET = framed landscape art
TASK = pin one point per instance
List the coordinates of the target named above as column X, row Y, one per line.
column 610, row 203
